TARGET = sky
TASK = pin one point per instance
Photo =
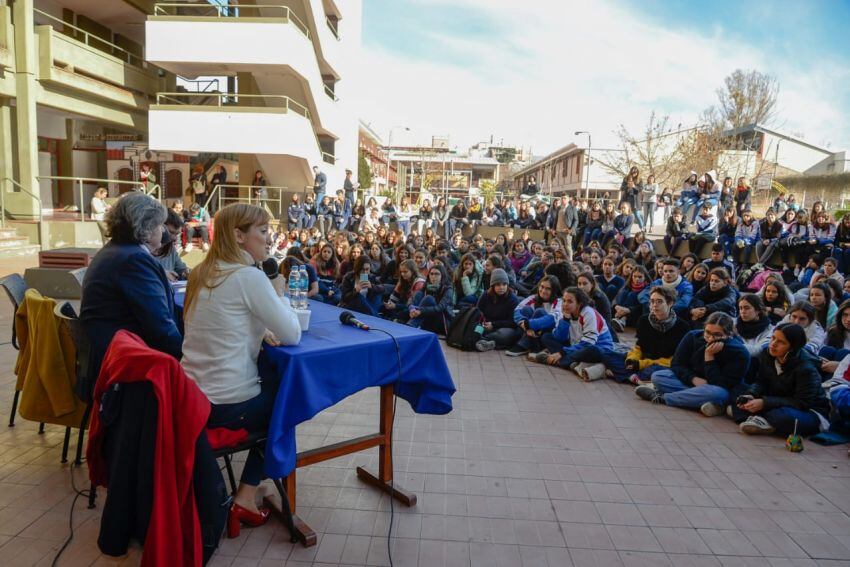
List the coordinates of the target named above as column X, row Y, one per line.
column 530, row 73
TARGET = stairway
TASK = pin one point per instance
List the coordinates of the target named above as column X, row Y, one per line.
column 13, row 245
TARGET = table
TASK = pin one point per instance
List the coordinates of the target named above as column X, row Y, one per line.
column 332, row 362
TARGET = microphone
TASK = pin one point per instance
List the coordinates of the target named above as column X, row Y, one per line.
column 270, row 268
column 348, row 318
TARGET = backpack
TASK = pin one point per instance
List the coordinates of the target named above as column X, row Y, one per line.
column 465, row 329
column 198, row 186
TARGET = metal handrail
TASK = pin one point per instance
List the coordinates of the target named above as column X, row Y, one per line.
column 224, row 11
column 328, row 158
column 140, row 61
column 42, row 232
column 147, row 189
column 334, row 30
column 208, row 82
column 222, row 100
column 216, row 192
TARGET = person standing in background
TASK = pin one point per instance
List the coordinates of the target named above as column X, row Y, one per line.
column 320, row 184
column 348, row 186
column 650, row 201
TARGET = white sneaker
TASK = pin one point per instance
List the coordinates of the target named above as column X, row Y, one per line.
column 189, row 247
column 592, row 372
column 709, row 409
column 756, row 425
column 485, row 345
column 205, row 247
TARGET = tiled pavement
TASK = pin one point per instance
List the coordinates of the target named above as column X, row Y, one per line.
column 533, row 467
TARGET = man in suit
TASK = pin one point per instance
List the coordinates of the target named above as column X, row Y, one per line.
column 125, row 287
column 567, row 225
column 320, row 182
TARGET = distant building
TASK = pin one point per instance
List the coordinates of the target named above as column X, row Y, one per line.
column 376, row 156
column 564, row 172
column 440, row 171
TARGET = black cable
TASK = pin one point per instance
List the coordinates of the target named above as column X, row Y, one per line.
column 84, row 494
column 392, row 430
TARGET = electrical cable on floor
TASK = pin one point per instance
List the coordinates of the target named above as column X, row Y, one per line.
column 84, row 494
column 392, row 430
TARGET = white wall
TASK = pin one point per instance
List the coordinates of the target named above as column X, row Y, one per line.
column 791, row 154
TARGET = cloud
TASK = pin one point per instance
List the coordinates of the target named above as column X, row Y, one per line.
column 548, row 68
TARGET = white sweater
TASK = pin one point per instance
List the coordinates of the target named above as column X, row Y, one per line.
column 225, row 330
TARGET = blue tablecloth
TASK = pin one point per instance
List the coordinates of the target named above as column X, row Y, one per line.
column 334, row 361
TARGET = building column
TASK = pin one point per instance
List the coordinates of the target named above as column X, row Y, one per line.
column 26, row 87
column 6, row 156
column 68, row 192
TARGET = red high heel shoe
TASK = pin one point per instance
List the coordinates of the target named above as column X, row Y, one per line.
column 239, row 515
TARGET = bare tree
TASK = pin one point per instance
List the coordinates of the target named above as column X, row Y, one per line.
column 747, row 97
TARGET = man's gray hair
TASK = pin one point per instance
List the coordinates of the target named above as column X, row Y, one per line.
column 134, row 218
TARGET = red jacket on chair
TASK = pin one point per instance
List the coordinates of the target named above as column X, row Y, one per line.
column 173, row 534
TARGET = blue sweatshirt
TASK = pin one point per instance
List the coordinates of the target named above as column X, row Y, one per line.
column 727, row 370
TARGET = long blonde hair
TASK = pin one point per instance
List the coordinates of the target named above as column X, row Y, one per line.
column 224, row 249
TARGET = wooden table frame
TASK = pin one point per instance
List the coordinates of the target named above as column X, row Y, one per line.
column 383, row 481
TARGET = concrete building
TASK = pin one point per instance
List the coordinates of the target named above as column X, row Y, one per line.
column 290, row 108
column 565, row 172
column 373, row 150
column 440, row 170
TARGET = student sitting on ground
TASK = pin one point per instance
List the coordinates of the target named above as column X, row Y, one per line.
column 537, row 314
column 802, row 313
column 468, row 281
column 776, row 299
column 717, row 261
column 497, row 306
column 707, row 365
column 787, row 395
column 719, row 296
column 581, row 336
column 627, row 308
column 670, row 277
column 609, row 282
column 837, row 344
column 658, row 334
column 431, row 308
column 361, row 291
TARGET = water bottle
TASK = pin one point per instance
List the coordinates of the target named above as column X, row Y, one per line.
column 304, row 281
column 294, row 286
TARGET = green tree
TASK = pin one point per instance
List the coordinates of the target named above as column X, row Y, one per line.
column 364, row 172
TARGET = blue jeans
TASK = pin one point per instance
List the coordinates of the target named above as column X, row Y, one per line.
column 685, row 204
column 435, row 322
column 745, row 251
column 842, row 256
column 365, row 304
column 467, row 301
column 404, row 226
column 832, row 353
column 727, row 242
column 592, row 234
column 253, row 416
column 532, row 344
column 677, row 394
column 621, row 373
column 840, row 399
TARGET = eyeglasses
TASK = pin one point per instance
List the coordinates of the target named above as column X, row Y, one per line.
column 657, row 302
column 715, row 336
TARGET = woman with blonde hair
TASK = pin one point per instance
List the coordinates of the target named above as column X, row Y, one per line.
column 231, row 307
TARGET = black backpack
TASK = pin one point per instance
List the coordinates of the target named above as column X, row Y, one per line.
column 465, row 329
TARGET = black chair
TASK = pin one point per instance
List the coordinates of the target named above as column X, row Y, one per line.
column 82, row 347
column 258, row 441
column 15, row 288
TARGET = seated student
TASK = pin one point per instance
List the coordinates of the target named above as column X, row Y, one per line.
column 326, row 265
column 431, row 308
column 804, row 276
column 746, row 236
column 598, row 300
column 519, row 256
column 687, row 263
column 361, row 291
column 532, row 273
column 658, row 334
column 753, row 324
column 698, row 276
column 167, row 255
column 770, row 231
column 707, row 365
column 803, row 314
column 787, row 394
column 627, row 308
column 820, row 296
column 409, row 283
column 719, row 296
column 717, row 261
column 198, row 225
column 468, row 281
column 231, row 307
column 535, row 315
column 294, row 258
column 837, row 343
column 828, row 271
column 706, row 230
column 609, row 282
column 670, row 277
column 581, row 336
column 676, row 233
column 497, row 306
column 401, row 253
column 378, row 259
column 776, row 299
column 799, row 240
column 837, row 389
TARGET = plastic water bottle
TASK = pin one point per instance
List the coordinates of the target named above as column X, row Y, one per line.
column 304, row 286
column 294, row 287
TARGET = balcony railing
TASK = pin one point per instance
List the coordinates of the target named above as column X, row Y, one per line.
column 151, row 189
column 329, row 91
column 232, row 100
column 333, row 26
column 224, row 12
column 93, row 41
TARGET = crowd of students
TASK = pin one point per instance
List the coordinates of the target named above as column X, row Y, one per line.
column 769, row 353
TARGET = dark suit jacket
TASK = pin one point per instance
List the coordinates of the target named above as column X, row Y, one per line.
column 126, row 288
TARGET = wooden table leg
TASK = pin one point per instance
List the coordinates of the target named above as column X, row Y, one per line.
column 384, row 480
column 298, row 529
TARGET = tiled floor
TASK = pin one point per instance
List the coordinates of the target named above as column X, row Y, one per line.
column 533, row 467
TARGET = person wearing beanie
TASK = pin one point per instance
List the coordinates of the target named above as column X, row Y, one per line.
column 787, row 393
column 497, row 306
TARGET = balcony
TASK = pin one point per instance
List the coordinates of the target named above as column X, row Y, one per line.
column 77, row 60
column 271, row 42
column 7, row 39
column 234, row 123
